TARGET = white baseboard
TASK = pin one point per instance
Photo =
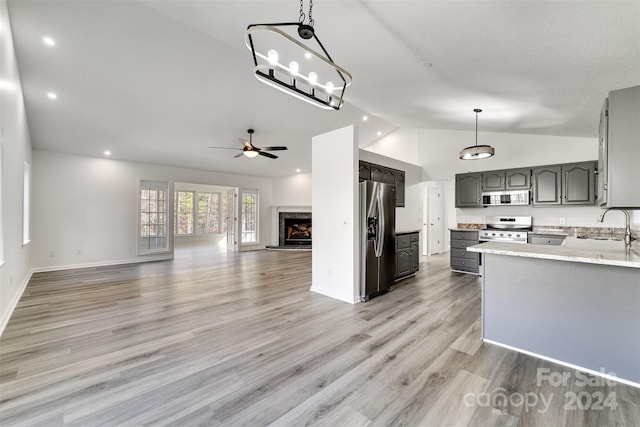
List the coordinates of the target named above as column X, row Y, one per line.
column 145, row 258
column 14, row 302
column 568, row 365
column 335, row 295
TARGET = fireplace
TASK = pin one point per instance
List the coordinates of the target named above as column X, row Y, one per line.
column 297, row 231
column 294, row 229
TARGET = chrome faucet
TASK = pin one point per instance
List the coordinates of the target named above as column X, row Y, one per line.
column 628, row 238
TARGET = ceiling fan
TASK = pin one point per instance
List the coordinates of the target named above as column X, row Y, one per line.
column 250, row 150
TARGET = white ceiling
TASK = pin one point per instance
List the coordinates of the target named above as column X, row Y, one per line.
column 160, row 81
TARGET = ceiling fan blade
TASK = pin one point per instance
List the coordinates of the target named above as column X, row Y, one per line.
column 269, row 155
column 227, row 148
column 238, row 155
column 277, row 148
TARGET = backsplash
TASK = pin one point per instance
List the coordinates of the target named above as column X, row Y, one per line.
column 615, row 233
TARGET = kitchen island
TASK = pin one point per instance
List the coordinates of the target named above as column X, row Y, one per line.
column 576, row 304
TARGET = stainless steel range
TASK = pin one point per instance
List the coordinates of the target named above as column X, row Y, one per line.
column 506, row 229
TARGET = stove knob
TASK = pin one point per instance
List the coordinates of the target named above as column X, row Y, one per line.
column 509, row 235
column 493, row 234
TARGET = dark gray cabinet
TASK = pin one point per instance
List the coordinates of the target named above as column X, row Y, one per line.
column 461, row 260
column 547, row 185
column 568, row 184
column 518, row 179
column 545, row 239
column 493, row 181
column 578, row 184
column 468, row 190
column 407, row 254
column 364, row 171
column 378, row 173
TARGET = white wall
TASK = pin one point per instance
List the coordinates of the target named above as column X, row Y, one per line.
column 91, row 204
column 294, row 190
column 16, row 148
column 334, row 203
column 402, row 145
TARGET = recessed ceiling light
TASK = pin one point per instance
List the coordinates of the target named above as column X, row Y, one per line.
column 307, row 55
column 365, row 118
column 379, row 133
column 107, row 152
column 52, row 95
column 49, row 41
column 298, row 170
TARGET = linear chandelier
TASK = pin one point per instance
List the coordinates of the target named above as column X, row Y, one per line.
column 476, row 152
column 299, row 77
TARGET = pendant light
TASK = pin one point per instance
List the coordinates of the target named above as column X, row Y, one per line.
column 475, row 152
column 301, row 68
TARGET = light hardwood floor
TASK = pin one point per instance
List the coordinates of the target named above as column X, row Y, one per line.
column 214, row 338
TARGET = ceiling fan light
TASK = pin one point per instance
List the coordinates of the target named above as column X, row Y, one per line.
column 250, row 153
column 476, row 152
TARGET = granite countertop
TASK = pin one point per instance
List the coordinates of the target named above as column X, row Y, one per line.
column 589, row 251
column 407, row 232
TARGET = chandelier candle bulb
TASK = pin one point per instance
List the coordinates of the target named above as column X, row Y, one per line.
column 329, row 87
column 272, row 56
column 313, row 78
column 294, row 67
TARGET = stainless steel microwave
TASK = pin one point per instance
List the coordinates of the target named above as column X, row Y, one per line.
column 519, row 197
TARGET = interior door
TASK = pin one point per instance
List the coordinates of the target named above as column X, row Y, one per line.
column 434, row 225
column 231, row 219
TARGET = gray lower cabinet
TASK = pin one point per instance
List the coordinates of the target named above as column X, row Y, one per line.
column 461, row 260
column 407, row 254
column 545, row 239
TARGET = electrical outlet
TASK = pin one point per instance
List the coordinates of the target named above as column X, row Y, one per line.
column 563, row 221
column 79, row 252
column 52, row 254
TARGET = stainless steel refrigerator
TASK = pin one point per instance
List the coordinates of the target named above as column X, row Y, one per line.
column 377, row 238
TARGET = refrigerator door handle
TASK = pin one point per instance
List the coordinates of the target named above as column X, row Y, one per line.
column 381, row 224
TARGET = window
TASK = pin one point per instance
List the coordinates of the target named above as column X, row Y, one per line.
column 207, row 211
column 183, row 212
column 154, row 205
column 26, row 199
column 249, row 216
column 209, row 208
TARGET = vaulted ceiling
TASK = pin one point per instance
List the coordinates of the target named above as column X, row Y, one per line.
column 160, row 81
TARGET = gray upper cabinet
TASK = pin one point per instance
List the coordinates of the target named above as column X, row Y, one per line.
column 378, row 173
column 569, row 184
column 578, row 184
column 547, row 185
column 511, row 179
column 493, row 180
column 399, row 177
column 518, row 179
column 468, row 190
column 619, row 150
column 364, row 171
